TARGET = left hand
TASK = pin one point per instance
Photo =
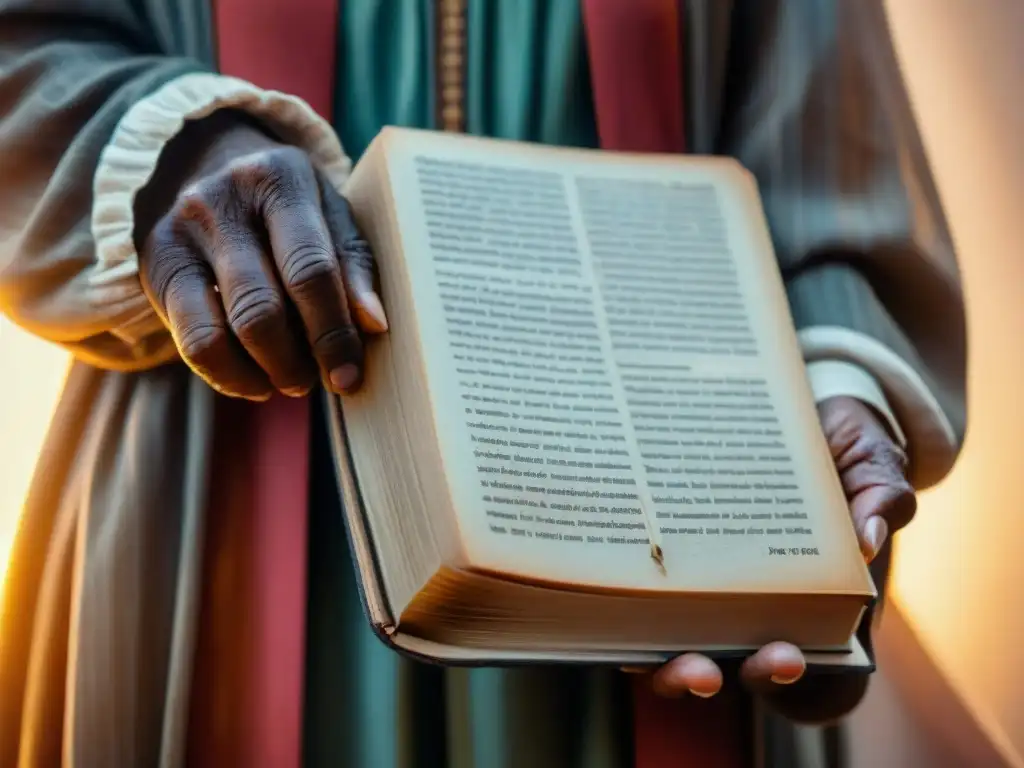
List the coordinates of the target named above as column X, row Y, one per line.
column 873, row 472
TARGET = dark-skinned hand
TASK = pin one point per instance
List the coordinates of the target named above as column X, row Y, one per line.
column 254, row 263
column 873, row 472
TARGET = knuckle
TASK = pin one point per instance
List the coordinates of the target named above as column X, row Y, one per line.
column 309, row 265
column 174, row 274
column 244, row 173
column 248, row 172
column 853, row 445
column 887, row 455
column 255, row 311
column 196, row 206
column 203, row 345
column 182, row 273
column 277, row 174
column 199, row 207
column 159, row 255
column 844, row 436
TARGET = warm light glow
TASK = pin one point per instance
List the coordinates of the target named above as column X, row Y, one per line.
column 960, row 564
column 33, row 373
column 6, row 540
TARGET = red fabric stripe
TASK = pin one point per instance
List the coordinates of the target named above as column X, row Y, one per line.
column 687, row 732
column 285, row 45
column 636, row 73
column 636, row 68
column 280, row 513
column 246, row 706
column 248, row 694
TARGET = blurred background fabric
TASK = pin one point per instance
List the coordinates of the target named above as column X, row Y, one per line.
column 959, row 571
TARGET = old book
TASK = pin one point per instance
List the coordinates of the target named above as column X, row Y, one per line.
column 589, row 434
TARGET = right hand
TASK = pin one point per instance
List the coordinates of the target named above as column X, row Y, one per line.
column 254, row 263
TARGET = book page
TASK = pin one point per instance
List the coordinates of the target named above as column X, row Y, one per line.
column 611, row 360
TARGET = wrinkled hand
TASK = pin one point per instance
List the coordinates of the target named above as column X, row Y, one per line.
column 254, row 263
column 873, row 469
column 873, row 472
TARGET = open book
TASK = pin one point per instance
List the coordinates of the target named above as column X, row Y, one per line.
column 588, row 434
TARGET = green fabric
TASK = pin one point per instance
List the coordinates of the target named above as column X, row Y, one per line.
column 527, row 73
column 384, row 69
column 527, row 78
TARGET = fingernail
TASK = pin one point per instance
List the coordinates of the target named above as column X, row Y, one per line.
column 344, row 376
column 875, row 532
column 702, row 694
column 374, row 311
column 784, row 679
column 296, row 391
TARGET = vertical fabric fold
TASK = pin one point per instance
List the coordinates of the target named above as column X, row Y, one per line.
column 247, row 704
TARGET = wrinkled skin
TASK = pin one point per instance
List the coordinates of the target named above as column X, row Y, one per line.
column 233, row 212
column 252, row 220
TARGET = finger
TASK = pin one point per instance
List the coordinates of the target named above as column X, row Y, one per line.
column 873, row 472
column 689, row 673
column 257, row 309
column 880, row 511
column 882, row 501
column 311, row 274
column 872, row 462
column 181, row 286
column 856, row 435
column 864, row 452
column 356, row 258
column 775, row 664
column 884, row 494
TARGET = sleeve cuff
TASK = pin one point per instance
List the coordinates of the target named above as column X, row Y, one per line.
column 838, row 378
column 130, row 158
column 927, row 432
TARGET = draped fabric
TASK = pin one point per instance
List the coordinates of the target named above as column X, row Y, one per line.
column 98, row 609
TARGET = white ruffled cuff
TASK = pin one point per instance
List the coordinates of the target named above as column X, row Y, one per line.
column 841, row 361
column 130, row 158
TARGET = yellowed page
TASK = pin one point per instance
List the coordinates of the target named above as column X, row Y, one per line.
column 607, row 345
